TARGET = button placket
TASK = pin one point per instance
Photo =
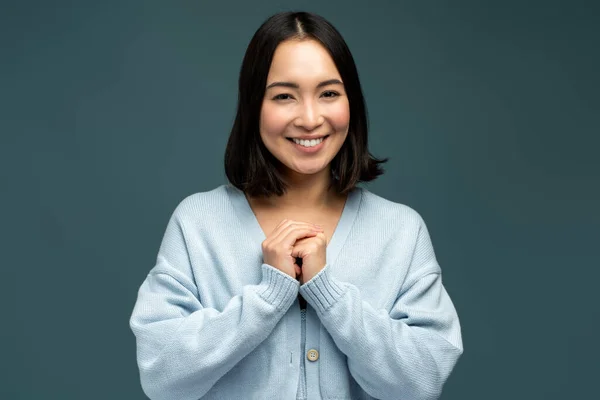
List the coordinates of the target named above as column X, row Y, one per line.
column 311, row 352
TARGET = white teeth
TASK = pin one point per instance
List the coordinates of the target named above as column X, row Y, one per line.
column 308, row 143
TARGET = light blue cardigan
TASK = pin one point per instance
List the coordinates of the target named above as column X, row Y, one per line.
column 213, row 321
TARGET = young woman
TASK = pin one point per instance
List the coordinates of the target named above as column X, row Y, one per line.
column 291, row 282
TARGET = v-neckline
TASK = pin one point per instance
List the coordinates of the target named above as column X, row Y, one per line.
column 248, row 219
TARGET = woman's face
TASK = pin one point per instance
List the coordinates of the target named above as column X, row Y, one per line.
column 304, row 99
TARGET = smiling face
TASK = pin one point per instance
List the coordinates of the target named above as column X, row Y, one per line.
column 305, row 98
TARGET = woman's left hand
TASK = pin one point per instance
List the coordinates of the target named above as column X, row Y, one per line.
column 312, row 251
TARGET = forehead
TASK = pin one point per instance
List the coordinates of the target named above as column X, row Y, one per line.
column 298, row 60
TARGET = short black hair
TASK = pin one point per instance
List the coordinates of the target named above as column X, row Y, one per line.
column 249, row 165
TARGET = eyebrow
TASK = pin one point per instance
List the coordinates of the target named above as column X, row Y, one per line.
column 296, row 86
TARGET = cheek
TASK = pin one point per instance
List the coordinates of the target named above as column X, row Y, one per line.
column 272, row 120
column 339, row 116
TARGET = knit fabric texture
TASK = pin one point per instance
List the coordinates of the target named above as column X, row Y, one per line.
column 213, row 321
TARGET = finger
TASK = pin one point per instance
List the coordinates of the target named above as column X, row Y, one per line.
column 285, row 240
column 322, row 236
column 284, row 224
column 284, row 228
column 288, row 237
column 298, row 251
column 297, row 270
column 322, row 239
column 291, row 237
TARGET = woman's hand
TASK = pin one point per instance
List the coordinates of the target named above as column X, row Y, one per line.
column 313, row 252
column 278, row 247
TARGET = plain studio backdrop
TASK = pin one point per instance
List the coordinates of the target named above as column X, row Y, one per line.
column 112, row 112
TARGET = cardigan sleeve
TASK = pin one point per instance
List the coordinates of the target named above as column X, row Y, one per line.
column 183, row 347
column 412, row 349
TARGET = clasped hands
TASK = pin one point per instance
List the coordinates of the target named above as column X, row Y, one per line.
column 292, row 239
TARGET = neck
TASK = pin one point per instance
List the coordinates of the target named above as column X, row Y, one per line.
column 306, row 193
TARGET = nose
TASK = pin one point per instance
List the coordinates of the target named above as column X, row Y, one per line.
column 309, row 117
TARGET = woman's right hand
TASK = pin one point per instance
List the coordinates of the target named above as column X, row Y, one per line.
column 277, row 247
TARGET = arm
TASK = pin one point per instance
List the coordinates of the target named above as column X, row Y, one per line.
column 407, row 353
column 183, row 348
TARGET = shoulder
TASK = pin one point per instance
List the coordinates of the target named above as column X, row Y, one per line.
column 383, row 209
column 401, row 224
column 209, row 203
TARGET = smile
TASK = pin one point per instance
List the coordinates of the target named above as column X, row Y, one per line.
column 308, row 143
column 309, row 146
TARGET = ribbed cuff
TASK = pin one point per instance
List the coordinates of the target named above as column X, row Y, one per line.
column 322, row 291
column 277, row 288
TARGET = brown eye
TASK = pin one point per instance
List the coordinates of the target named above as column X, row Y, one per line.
column 330, row 94
column 282, row 96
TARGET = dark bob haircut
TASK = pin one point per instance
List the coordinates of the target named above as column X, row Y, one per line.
column 249, row 165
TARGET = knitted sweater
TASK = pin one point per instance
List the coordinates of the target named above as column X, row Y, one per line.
column 213, row 321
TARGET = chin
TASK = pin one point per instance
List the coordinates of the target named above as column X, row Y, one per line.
column 308, row 171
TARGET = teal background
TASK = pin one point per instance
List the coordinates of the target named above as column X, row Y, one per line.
column 114, row 111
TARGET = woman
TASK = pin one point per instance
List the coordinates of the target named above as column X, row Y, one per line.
column 291, row 282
